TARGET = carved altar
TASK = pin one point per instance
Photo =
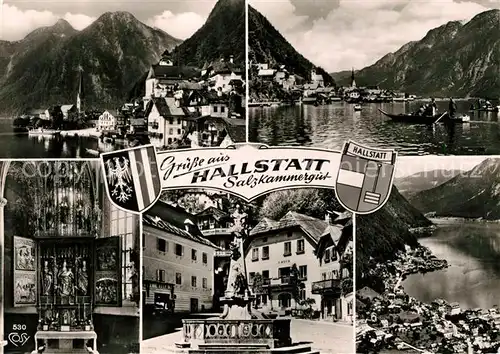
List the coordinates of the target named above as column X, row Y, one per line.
column 64, row 269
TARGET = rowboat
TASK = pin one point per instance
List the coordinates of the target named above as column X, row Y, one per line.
column 44, row 132
column 415, row 119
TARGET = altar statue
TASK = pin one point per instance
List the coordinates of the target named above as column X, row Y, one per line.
column 65, row 279
column 48, row 279
column 83, row 280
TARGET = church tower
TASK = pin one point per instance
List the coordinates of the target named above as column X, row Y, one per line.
column 79, row 96
column 353, row 81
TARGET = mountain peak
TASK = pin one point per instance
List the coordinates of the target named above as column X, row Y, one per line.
column 117, row 16
column 62, row 24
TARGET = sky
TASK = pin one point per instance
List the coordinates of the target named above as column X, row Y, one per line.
column 179, row 18
column 409, row 165
column 344, row 34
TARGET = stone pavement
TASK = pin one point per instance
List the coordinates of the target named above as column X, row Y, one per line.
column 327, row 338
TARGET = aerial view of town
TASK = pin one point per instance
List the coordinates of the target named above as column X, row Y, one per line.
column 395, row 92
column 433, row 285
column 119, row 80
column 281, row 267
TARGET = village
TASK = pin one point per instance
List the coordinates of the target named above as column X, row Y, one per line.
column 183, row 107
column 393, row 319
column 274, row 84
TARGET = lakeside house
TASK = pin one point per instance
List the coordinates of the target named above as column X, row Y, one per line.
column 108, row 120
column 224, row 75
column 166, row 121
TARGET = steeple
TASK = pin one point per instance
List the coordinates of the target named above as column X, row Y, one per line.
column 79, row 97
column 353, row 81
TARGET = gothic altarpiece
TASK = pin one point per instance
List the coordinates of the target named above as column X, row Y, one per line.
column 65, row 269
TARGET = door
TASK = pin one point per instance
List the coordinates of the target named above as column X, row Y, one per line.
column 108, row 271
column 194, row 305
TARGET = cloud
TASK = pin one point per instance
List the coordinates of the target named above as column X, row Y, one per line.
column 181, row 25
column 16, row 23
column 356, row 33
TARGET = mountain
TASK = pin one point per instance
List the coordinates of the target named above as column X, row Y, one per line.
column 267, row 45
column 42, row 69
column 381, row 234
column 411, row 185
column 222, row 35
column 454, row 59
column 472, row 194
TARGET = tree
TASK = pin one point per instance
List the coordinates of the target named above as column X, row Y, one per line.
column 296, row 284
column 308, row 201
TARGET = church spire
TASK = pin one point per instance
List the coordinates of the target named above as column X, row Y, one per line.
column 79, row 97
column 353, row 81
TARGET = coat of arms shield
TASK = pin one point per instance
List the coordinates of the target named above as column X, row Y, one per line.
column 132, row 178
column 365, row 176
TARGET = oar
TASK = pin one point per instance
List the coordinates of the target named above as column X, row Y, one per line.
column 442, row 115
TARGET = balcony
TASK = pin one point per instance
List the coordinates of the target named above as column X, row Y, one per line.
column 217, row 231
column 331, row 286
column 280, row 281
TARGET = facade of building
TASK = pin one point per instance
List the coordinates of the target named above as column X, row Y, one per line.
column 178, row 261
column 68, row 110
column 274, row 247
column 335, row 243
column 107, row 120
column 166, row 121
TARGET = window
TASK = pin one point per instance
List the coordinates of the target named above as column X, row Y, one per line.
column 178, row 278
column 171, row 131
column 179, row 131
column 193, row 281
column 160, row 275
column 265, row 252
column 303, row 272
column 300, row 246
column 265, row 274
column 170, row 121
column 178, row 121
column 161, row 245
column 289, row 234
column 215, row 109
column 193, row 255
column 288, row 249
column 255, row 254
column 333, row 255
column 204, row 283
column 327, row 256
column 251, row 275
column 126, row 225
column 170, row 140
column 323, row 276
column 222, row 109
column 302, row 294
column 205, row 258
column 179, row 251
column 143, row 240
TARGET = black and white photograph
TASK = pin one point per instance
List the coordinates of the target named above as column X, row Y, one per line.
column 421, row 77
column 78, row 78
column 71, row 261
column 427, row 270
column 223, row 275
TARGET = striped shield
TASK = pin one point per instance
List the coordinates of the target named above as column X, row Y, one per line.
column 365, row 177
column 132, row 178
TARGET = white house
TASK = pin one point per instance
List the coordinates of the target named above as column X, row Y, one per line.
column 166, row 121
column 107, row 120
column 178, row 262
column 275, row 246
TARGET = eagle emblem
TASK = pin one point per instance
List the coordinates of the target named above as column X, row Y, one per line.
column 119, row 178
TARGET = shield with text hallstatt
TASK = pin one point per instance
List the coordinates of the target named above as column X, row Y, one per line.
column 365, row 176
column 132, row 178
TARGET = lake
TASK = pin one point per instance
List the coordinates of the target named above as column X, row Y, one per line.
column 473, row 278
column 329, row 126
column 24, row 146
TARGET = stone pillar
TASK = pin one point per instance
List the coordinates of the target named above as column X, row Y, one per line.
column 3, row 202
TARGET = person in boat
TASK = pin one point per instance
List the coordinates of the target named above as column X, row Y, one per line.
column 427, row 110
column 452, row 107
column 421, row 111
column 433, row 107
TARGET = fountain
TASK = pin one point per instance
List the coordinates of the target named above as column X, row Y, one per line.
column 239, row 329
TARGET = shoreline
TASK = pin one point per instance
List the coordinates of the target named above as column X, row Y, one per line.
column 87, row 132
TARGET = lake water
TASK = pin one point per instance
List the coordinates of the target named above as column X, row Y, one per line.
column 24, row 146
column 329, row 126
column 473, row 278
